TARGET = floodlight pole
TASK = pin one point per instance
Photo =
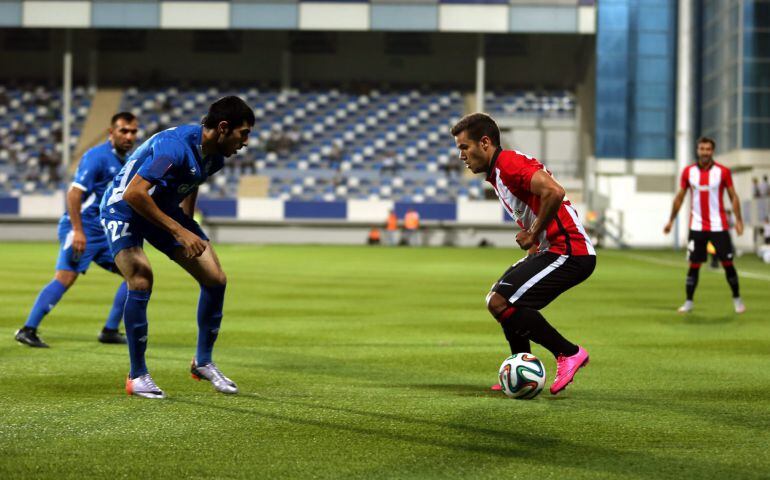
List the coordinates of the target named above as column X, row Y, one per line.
column 684, row 96
column 67, row 99
column 480, row 74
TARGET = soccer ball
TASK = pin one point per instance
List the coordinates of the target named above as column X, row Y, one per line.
column 522, row 376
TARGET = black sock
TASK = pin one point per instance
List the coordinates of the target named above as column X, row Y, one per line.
column 518, row 343
column 692, row 280
column 529, row 323
column 732, row 279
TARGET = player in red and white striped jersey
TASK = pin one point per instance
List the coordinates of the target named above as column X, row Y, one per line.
column 707, row 181
column 561, row 254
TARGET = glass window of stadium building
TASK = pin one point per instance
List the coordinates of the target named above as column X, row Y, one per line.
column 667, row 73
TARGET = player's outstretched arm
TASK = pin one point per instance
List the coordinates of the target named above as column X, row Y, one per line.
column 137, row 195
column 551, row 196
column 736, row 209
column 678, row 200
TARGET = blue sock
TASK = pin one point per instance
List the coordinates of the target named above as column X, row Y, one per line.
column 209, row 318
column 49, row 296
column 135, row 320
column 116, row 314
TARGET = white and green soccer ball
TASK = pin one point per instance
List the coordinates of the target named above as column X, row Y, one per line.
column 522, row 376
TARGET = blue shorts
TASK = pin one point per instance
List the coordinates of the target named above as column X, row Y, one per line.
column 122, row 234
column 97, row 250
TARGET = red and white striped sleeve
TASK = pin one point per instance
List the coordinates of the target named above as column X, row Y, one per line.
column 727, row 177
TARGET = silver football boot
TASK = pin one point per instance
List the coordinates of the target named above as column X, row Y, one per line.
column 143, row 387
column 211, row 373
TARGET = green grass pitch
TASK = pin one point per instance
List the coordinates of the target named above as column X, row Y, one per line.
column 376, row 363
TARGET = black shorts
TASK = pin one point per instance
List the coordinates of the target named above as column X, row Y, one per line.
column 536, row 281
column 696, row 245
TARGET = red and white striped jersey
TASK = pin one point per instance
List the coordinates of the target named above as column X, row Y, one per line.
column 707, row 187
column 510, row 173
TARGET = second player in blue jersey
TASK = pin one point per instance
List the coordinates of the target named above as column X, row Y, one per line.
column 81, row 236
column 153, row 198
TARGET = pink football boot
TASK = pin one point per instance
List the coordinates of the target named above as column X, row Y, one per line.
column 566, row 368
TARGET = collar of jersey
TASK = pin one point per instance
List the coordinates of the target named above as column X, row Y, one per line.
column 198, row 138
column 122, row 160
column 492, row 162
column 707, row 168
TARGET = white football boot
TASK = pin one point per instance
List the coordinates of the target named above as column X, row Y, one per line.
column 739, row 306
column 686, row 307
column 211, row 373
column 144, row 387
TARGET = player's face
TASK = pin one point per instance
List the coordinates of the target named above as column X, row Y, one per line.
column 474, row 154
column 123, row 135
column 233, row 140
column 705, row 152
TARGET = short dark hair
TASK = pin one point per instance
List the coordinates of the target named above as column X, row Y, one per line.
column 230, row 109
column 127, row 116
column 478, row 125
column 707, row 140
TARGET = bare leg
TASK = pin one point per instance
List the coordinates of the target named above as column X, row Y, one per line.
column 206, row 269
column 66, row 277
column 135, row 268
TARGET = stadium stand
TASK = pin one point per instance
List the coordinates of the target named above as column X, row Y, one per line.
column 31, row 134
column 313, row 144
column 327, row 145
column 531, row 103
column 330, row 145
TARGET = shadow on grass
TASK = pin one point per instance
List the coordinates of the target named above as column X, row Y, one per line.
column 462, row 390
column 693, row 318
column 675, row 318
column 712, row 406
column 696, row 319
column 503, row 444
column 359, row 428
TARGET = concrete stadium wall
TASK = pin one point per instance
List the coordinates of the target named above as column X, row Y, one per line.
column 639, row 203
column 470, row 212
column 290, row 232
column 465, row 223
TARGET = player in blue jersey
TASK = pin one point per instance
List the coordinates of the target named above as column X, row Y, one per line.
column 81, row 234
column 153, row 198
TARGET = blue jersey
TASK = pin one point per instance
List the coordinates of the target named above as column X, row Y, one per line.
column 95, row 172
column 172, row 162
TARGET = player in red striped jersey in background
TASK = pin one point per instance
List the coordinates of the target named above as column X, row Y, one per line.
column 707, row 181
column 560, row 253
